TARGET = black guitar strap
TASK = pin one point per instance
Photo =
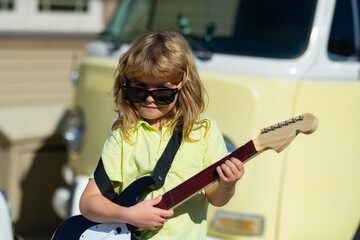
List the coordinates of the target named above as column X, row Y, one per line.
column 160, row 171
column 103, row 182
column 164, row 163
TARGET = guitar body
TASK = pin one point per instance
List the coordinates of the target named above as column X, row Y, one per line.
column 79, row 227
column 109, row 231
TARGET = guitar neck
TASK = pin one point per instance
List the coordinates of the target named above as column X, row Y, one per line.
column 200, row 181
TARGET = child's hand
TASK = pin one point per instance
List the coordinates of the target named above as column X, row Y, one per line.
column 230, row 172
column 145, row 216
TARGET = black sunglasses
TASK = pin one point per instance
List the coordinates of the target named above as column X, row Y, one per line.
column 161, row 96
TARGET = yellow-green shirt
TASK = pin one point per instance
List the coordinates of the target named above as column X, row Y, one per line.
column 125, row 162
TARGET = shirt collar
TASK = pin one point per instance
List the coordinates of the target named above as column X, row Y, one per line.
column 147, row 125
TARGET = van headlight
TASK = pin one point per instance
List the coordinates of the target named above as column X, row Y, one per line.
column 73, row 129
column 242, row 224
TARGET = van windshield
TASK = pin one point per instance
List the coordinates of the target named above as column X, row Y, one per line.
column 260, row 28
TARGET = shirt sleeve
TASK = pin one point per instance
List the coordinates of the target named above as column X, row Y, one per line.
column 112, row 156
column 215, row 148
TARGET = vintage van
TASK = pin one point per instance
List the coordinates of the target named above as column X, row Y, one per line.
column 261, row 61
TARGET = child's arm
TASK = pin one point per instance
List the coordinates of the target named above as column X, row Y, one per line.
column 221, row 192
column 97, row 208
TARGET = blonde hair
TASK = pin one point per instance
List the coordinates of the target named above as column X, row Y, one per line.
column 162, row 55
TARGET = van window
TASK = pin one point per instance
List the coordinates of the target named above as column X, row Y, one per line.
column 6, row 5
column 344, row 38
column 264, row 28
column 63, row 6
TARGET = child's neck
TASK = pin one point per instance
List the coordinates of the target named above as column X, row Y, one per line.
column 157, row 123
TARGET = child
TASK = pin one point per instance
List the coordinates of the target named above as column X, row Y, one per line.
column 156, row 87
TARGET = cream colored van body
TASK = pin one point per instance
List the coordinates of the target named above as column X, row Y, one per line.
column 309, row 191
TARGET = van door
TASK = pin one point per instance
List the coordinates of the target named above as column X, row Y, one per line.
column 321, row 187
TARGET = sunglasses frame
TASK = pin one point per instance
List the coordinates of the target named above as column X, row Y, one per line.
column 151, row 93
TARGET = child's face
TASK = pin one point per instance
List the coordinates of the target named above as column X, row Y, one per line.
column 150, row 110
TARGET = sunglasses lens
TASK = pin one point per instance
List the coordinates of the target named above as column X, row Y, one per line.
column 136, row 95
column 164, row 96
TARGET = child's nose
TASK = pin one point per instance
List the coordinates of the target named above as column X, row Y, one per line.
column 149, row 98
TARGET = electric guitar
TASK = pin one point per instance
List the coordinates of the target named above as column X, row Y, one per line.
column 276, row 137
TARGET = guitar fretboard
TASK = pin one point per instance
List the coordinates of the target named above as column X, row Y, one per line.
column 198, row 182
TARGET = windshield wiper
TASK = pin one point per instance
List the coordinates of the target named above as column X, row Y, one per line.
column 197, row 44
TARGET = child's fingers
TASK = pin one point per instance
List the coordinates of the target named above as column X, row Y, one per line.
column 162, row 212
column 220, row 172
column 237, row 163
column 231, row 170
column 166, row 213
column 240, row 167
column 155, row 201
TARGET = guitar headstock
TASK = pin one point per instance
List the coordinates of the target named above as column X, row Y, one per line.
column 280, row 135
